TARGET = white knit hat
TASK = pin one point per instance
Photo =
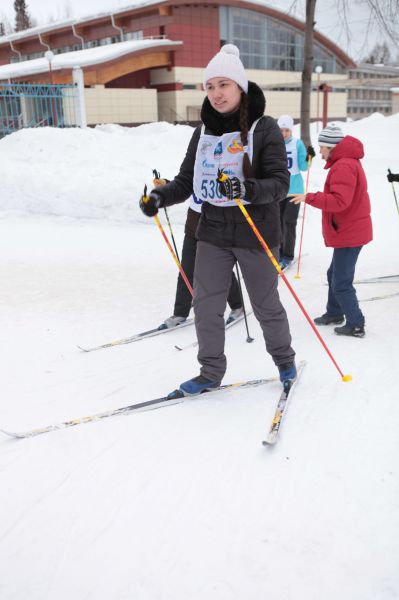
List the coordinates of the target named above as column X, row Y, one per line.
column 227, row 63
column 286, row 122
column 330, row 136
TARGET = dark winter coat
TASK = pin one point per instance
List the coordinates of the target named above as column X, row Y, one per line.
column 227, row 226
column 345, row 203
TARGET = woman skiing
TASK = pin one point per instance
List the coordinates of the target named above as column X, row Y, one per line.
column 235, row 137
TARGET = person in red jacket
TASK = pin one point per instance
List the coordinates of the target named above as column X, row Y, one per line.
column 346, row 224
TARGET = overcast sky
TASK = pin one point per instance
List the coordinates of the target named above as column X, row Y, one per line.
column 328, row 21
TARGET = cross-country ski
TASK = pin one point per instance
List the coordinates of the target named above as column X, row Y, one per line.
column 281, row 409
column 138, row 336
column 161, row 402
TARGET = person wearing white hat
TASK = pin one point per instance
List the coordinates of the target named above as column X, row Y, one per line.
column 236, row 137
column 298, row 160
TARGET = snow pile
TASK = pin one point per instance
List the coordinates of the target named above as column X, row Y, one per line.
column 92, row 173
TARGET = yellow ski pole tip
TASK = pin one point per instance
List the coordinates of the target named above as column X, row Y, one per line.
column 347, row 378
column 297, row 276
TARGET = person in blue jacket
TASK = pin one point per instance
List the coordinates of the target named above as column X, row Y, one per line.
column 297, row 157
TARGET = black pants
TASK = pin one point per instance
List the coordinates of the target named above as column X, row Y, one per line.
column 184, row 299
column 288, row 218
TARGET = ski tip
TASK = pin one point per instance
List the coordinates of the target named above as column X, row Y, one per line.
column 10, row 434
column 347, row 378
column 178, row 347
column 269, row 441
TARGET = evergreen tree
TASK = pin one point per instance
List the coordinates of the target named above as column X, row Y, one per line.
column 22, row 18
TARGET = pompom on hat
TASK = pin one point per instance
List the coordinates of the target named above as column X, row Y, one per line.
column 286, row 122
column 330, row 136
column 227, row 63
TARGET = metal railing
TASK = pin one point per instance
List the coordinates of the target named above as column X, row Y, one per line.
column 37, row 105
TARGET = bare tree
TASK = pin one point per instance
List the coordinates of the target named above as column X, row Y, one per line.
column 379, row 55
column 383, row 18
column 383, row 15
column 307, row 71
column 5, row 25
column 67, row 10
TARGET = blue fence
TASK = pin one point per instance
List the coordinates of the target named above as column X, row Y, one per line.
column 37, row 105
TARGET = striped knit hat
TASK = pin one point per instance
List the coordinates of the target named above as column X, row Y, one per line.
column 330, row 136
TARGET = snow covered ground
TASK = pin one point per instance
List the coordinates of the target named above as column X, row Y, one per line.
column 183, row 502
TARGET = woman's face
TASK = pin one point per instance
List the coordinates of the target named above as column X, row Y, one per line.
column 224, row 94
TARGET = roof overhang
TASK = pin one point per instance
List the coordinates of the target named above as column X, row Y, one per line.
column 100, row 65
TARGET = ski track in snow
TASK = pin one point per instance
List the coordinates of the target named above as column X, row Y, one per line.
column 183, row 502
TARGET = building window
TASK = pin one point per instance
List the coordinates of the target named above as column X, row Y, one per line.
column 133, row 35
column 266, row 43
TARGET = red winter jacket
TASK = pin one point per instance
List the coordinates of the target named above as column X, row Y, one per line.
column 345, row 202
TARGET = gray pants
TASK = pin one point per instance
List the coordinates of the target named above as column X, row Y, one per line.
column 212, row 278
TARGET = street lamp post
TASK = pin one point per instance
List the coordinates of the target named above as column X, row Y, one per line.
column 326, row 89
column 319, row 70
column 49, row 56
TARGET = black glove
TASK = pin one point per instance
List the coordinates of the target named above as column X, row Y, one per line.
column 233, row 189
column 150, row 204
column 310, row 153
column 392, row 177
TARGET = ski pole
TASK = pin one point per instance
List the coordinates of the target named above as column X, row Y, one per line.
column 157, row 178
column 394, row 193
column 249, row 338
column 161, row 229
column 223, row 177
column 297, row 276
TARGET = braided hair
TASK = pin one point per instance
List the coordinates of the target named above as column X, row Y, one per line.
column 244, row 117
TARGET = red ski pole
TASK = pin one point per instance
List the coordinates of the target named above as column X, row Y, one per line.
column 161, row 229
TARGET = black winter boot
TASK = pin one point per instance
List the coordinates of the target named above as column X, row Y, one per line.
column 327, row 319
column 350, row 330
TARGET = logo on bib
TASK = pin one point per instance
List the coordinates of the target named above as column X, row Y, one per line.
column 205, row 146
column 218, row 151
column 235, row 147
column 207, row 165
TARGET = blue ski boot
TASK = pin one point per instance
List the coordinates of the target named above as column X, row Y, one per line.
column 287, row 372
column 198, row 385
column 193, row 387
